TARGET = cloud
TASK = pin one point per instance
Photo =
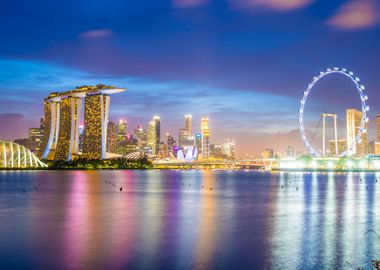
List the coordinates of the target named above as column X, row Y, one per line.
column 188, row 3
column 356, row 14
column 97, row 33
column 275, row 5
column 16, row 126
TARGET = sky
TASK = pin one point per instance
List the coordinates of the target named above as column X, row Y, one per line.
column 242, row 63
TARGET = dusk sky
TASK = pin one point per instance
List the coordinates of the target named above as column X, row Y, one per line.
column 243, row 63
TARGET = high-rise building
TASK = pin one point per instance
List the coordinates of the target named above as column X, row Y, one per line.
column 267, row 153
column 229, row 149
column 96, row 120
column 63, row 113
column 121, row 131
column 342, row 147
column 216, row 151
column 170, row 142
column 198, row 141
column 154, row 131
column 141, row 137
column 52, row 107
column 112, row 137
column 353, row 121
column 378, row 127
column 205, row 138
column 68, row 134
column 36, row 138
column 374, row 147
column 189, row 124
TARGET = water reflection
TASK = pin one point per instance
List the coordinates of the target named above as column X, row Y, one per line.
column 188, row 219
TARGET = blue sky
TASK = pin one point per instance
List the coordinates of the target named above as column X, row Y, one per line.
column 243, row 63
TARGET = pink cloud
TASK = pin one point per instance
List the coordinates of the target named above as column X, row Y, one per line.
column 188, row 3
column 98, row 33
column 276, row 5
column 356, row 14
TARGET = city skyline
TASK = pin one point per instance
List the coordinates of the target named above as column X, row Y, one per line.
column 243, row 70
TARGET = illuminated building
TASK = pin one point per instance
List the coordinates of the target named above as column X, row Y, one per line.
column 342, row 147
column 374, row 147
column 63, row 112
column 198, row 141
column 216, row 151
column 290, row 152
column 189, row 124
column 112, row 137
column 68, row 134
column 141, row 136
column 121, row 133
column 205, row 138
column 35, row 139
column 50, row 138
column 95, row 132
column 378, row 127
column 229, row 149
column 154, row 131
column 185, row 136
column 267, row 153
column 170, row 142
column 353, row 121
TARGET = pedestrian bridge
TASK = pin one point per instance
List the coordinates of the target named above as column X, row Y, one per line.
column 15, row 156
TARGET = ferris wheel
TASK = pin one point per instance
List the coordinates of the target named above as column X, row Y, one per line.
column 364, row 108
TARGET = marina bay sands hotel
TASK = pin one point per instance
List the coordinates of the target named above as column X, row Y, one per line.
column 63, row 113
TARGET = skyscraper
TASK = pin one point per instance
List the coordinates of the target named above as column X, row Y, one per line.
column 122, row 131
column 112, row 139
column 353, row 121
column 378, row 127
column 205, row 138
column 141, row 136
column 95, row 121
column 68, row 134
column 229, row 149
column 154, row 131
column 170, row 142
column 189, row 124
column 63, row 113
column 52, row 107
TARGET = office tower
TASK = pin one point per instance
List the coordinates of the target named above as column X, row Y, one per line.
column 216, row 151
column 267, row 153
column 52, row 116
column 154, row 131
column 189, row 124
column 378, row 127
column 121, row 132
column 112, row 137
column 342, row 147
column 157, row 121
column 229, row 149
column 141, row 136
column 205, row 138
column 95, row 119
column 68, row 134
column 353, row 121
column 374, row 148
column 35, row 140
column 198, row 141
column 170, row 142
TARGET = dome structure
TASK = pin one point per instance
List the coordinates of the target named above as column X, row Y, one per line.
column 13, row 156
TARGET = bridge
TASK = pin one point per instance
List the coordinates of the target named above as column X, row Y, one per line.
column 261, row 164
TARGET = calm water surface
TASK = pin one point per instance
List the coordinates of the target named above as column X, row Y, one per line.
column 166, row 220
